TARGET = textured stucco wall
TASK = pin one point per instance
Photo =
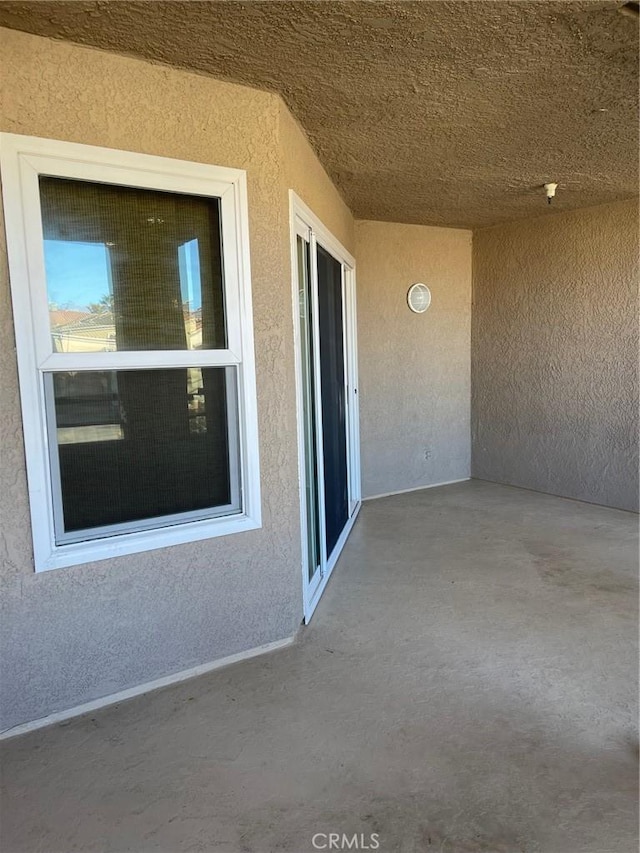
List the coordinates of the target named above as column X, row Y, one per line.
column 414, row 368
column 75, row 634
column 303, row 173
column 555, row 349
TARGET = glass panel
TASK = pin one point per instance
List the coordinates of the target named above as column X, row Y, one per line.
column 142, row 444
column 131, row 269
column 334, row 408
column 311, row 465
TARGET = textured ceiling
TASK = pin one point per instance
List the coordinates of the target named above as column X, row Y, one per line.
column 444, row 113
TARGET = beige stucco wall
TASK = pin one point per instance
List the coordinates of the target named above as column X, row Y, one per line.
column 75, row 634
column 303, row 173
column 555, row 354
column 414, row 368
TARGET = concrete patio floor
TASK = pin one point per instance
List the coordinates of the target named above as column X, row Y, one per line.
column 468, row 683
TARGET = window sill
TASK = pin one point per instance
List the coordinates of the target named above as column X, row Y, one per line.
column 80, row 553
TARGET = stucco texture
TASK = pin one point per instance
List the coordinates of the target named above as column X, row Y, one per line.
column 434, row 113
column 414, row 368
column 303, row 173
column 555, row 355
column 76, row 634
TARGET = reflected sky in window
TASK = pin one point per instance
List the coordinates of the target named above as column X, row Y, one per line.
column 78, row 274
column 189, row 270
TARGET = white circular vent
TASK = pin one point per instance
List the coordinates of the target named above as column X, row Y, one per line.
column 419, row 298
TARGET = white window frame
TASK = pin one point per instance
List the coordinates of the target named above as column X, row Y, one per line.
column 22, row 160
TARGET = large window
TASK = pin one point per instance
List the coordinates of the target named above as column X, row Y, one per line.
column 131, row 293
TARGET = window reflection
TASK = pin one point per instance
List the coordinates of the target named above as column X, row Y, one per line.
column 131, row 269
column 190, row 290
column 79, row 278
column 148, row 442
column 88, row 405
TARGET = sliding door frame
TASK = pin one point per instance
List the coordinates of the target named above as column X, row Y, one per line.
column 304, row 223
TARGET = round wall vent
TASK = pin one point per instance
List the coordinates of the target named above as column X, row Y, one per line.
column 419, row 298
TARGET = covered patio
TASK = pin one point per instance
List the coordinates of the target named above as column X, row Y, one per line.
column 319, row 410
column 467, row 684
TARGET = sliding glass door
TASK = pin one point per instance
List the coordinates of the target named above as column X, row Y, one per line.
column 327, row 402
column 334, row 397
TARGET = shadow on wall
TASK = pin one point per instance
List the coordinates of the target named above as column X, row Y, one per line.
column 555, row 355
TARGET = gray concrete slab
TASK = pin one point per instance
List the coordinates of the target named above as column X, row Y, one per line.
column 467, row 684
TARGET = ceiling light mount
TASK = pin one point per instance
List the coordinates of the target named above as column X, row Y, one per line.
column 550, row 190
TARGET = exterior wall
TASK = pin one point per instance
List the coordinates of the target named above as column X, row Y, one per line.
column 414, row 368
column 555, row 375
column 73, row 635
column 303, row 173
